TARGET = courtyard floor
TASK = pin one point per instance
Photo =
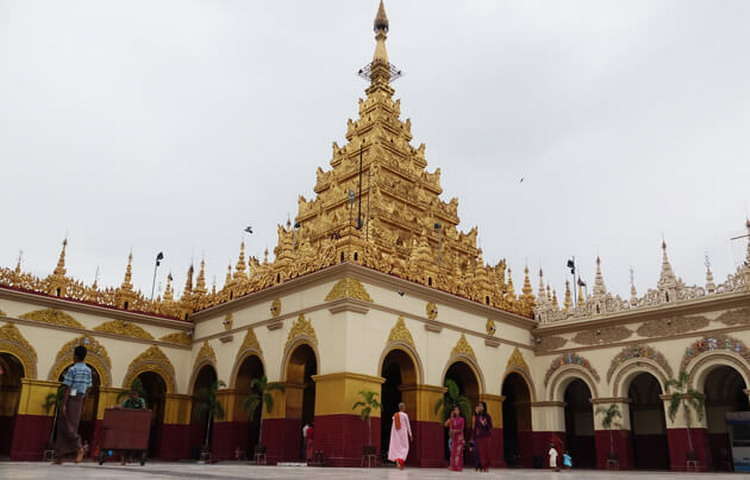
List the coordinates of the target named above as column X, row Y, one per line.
column 229, row 471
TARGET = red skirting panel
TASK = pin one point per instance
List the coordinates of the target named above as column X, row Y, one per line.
column 6, row 437
column 342, row 438
column 225, row 439
column 282, row 438
column 621, row 444
column 428, row 449
column 174, row 442
column 721, row 452
column 541, row 442
column 679, row 448
column 497, row 457
column 30, row 437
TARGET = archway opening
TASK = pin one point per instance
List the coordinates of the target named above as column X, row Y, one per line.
column 517, row 441
column 155, row 394
column 300, row 398
column 468, row 386
column 725, row 393
column 87, row 425
column 579, row 424
column 200, row 430
column 250, row 369
column 648, row 424
column 11, row 373
column 400, row 376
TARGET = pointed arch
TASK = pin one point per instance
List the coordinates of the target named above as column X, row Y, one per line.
column 206, row 356
column 250, row 347
column 14, row 343
column 152, row 360
column 463, row 352
column 630, row 369
column 96, row 356
column 564, row 376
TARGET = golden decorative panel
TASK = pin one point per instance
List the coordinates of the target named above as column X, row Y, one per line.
column 636, row 352
column 152, row 360
column 250, row 342
column 11, row 341
column 96, row 356
column 517, row 362
column 666, row 327
column 180, row 338
column 348, row 288
column 125, row 329
column 463, row 348
column 205, row 354
column 276, row 307
column 545, row 344
column 490, row 327
column 399, row 333
column 302, row 328
column 53, row 317
column 228, row 321
column 431, row 310
column 602, row 335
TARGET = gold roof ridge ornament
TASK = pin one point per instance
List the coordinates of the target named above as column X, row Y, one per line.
column 463, row 348
column 517, row 362
column 302, row 328
column 53, row 317
column 348, row 288
column 127, row 329
column 400, row 333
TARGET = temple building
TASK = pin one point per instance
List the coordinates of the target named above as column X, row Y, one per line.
column 375, row 287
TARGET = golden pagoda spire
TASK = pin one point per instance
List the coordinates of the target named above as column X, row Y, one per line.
column 568, row 301
column 60, row 268
column 228, row 278
column 169, row 290
column 710, row 285
column 200, row 283
column 526, row 291
column 188, row 290
column 541, row 284
column 581, row 296
column 381, row 29
column 17, row 271
column 555, row 303
column 127, row 282
column 239, row 269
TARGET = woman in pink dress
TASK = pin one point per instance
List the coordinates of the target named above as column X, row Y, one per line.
column 398, row 449
column 455, row 426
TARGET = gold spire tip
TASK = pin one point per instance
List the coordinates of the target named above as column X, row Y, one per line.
column 381, row 19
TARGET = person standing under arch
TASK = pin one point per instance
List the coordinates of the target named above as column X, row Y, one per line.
column 481, row 435
column 401, row 435
column 76, row 382
column 455, row 426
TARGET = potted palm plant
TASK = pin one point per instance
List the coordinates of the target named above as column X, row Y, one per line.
column 368, row 403
column 53, row 400
column 689, row 399
column 453, row 398
column 208, row 403
column 260, row 394
column 609, row 420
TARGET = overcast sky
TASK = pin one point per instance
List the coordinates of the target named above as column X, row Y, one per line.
column 170, row 125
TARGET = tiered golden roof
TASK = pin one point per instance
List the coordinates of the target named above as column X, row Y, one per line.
column 377, row 206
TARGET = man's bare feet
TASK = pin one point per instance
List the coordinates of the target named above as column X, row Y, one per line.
column 79, row 455
column 57, row 461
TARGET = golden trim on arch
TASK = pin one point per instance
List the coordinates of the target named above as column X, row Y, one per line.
column 126, row 329
column 152, row 360
column 14, row 343
column 348, row 288
column 96, row 356
column 53, row 317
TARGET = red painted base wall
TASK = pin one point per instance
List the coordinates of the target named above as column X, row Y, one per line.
column 497, row 457
column 540, row 447
column 679, row 448
column 342, row 438
column 174, row 442
column 30, row 437
column 427, row 449
column 281, row 437
column 225, row 439
column 621, row 444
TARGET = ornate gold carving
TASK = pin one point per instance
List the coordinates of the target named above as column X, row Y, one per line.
column 11, row 341
column 737, row 316
column 180, row 338
column 669, row 326
column 516, row 361
column 152, row 360
column 302, row 328
column 53, row 317
column 399, row 333
column 348, row 288
column 431, row 310
column 490, row 327
column 96, row 356
column 205, row 354
column 276, row 307
column 463, row 348
column 250, row 342
column 545, row 344
column 126, row 329
column 602, row 335
column 228, row 321
column 638, row 351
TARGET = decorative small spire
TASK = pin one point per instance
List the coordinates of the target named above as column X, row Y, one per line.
column 169, row 290
column 581, row 295
column 541, row 284
column 667, row 278
column 200, row 283
column 511, row 290
column 17, row 271
column 549, row 293
column 239, row 269
column 213, row 286
column 747, row 256
column 127, row 282
column 188, row 290
column 265, row 255
column 527, row 293
column 710, row 285
column 633, row 291
column 381, row 19
column 60, row 268
column 228, row 279
column 555, row 303
column 600, row 289
column 568, row 301
column 95, row 285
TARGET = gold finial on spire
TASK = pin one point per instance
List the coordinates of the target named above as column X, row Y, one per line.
column 169, row 290
column 568, row 301
column 541, row 284
column 527, row 293
column 555, row 303
column 60, row 268
column 599, row 288
column 633, row 291
column 17, row 271
column 239, row 269
column 581, row 295
column 228, row 278
column 200, row 283
column 127, row 282
column 710, row 285
column 510, row 290
column 381, row 19
column 188, row 290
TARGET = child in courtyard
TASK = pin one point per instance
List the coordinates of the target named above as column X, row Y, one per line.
column 567, row 460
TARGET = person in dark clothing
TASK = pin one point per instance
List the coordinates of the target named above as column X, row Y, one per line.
column 482, row 433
